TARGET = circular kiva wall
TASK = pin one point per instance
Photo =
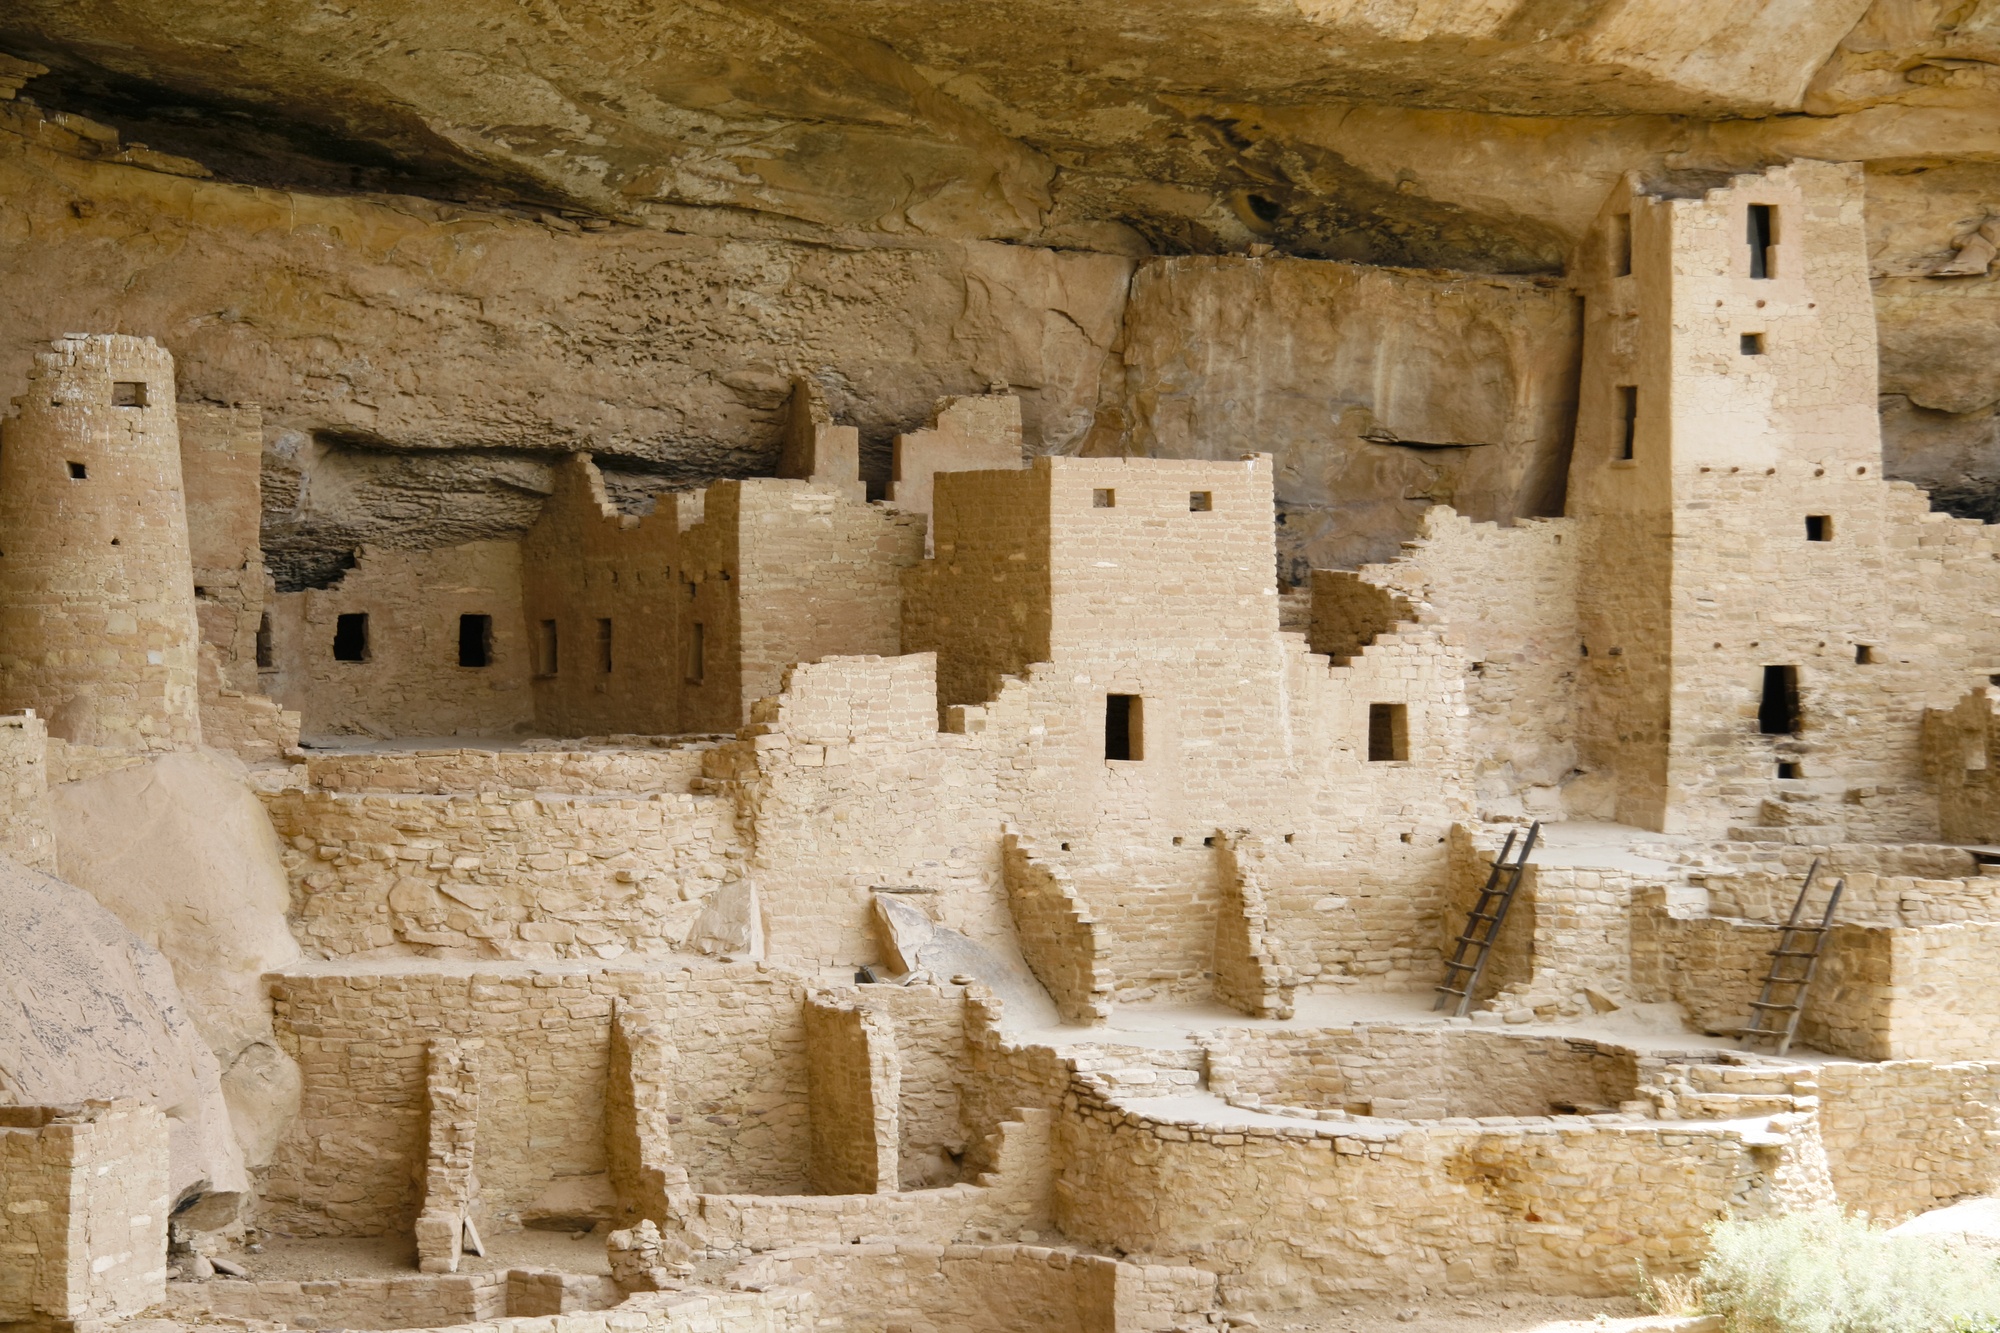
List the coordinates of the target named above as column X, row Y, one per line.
column 1422, row 1073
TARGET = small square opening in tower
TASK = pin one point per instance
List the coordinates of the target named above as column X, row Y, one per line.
column 350, row 637
column 1104, row 498
column 1864, row 655
column 1621, row 245
column 1628, row 412
column 1124, row 727
column 475, row 641
column 1788, row 769
column 1200, row 502
column 78, row 472
column 1763, row 237
column 128, row 393
column 1778, row 705
column 547, row 649
column 1750, row 344
column 1388, row 733
column 1819, row 527
column 604, row 645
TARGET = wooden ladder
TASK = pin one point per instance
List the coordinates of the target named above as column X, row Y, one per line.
column 1482, row 927
column 1770, row 1019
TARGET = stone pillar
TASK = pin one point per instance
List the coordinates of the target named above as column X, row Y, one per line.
column 854, row 1088
column 451, row 1187
column 97, row 608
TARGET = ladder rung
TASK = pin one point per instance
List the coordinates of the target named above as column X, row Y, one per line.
column 1775, row 1008
column 1451, row 990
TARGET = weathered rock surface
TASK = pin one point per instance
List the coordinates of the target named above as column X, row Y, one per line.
column 184, row 855
column 90, row 1010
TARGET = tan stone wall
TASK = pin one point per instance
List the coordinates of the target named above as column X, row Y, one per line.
column 1904, row 1137
column 222, row 455
column 450, row 1183
column 410, row 1301
column 854, row 1091
column 348, row 1163
column 83, row 1211
column 965, row 435
column 1248, row 975
column 411, row 683
column 492, row 875
column 585, row 564
column 25, row 834
column 1061, row 940
column 97, row 608
column 640, row 769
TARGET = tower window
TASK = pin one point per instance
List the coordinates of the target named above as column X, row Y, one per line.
column 128, row 393
column 697, row 654
column 1788, row 769
column 1621, row 245
column 266, row 656
column 1200, row 502
column 1750, row 344
column 1864, row 655
column 547, row 658
column 1388, row 732
column 350, row 637
column 1628, row 409
column 1104, row 498
column 77, row 472
column 604, row 645
column 1819, row 527
column 475, row 641
column 1763, row 237
column 1124, row 726
column 1778, row 707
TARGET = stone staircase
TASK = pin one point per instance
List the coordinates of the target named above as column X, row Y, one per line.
column 1727, row 1091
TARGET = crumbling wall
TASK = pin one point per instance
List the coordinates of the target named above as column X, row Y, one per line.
column 222, row 453
column 407, row 680
column 854, row 1090
column 642, row 769
column 1248, row 975
column 25, row 834
column 1060, row 939
column 981, row 434
column 450, row 1183
column 83, row 1211
column 486, row 875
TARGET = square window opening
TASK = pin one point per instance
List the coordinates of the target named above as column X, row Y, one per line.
column 1788, row 769
column 1104, row 498
column 548, row 655
column 1200, row 502
column 128, row 393
column 1778, row 705
column 1388, row 733
column 697, row 654
column 267, row 657
column 604, row 645
column 1819, row 527
column 1124, row 727
column 350, row 637
column 1751, row 344
column 78, row 472
column 475, row 641
column 1763, row 238
column 1628, row 411
column 1621, row 245
column 1864, row 655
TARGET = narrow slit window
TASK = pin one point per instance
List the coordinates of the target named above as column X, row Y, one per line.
column 697, row 653
column 128, row 393
column 604, row 645
column 266, row 653
column 1628, row 412
column 1201, row 502
column 1621, row 245
column 1778, row 707
column 1104, row 498
column 475, row 641
column 1763, row 238
column 1388, row 733
column 1750, row 344
column 1864, row 655
column 1124, row 727
column 547, row 649
column 350, row 637
column 1819, row 527
column 78, row 472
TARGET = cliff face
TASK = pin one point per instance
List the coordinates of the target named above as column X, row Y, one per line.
column 441, row 242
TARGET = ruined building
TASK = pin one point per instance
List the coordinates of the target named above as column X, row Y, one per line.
column 1002, row 904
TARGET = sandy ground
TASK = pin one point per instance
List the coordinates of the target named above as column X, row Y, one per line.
column 305, row 1260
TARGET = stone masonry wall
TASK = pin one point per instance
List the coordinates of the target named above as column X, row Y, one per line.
column 1904, row 1137
column 83, row 1212
column 1062, row 942
column 25, row 834
column 854, row 1088
column 450, row 1184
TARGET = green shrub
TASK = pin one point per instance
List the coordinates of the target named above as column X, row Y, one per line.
column 1825, row 1272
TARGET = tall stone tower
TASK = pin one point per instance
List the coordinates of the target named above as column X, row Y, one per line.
column 1739, row 633
column 97, row 606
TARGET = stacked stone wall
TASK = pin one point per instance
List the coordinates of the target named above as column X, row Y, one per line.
column 854, row 1093
column 1904, row 1137
column 615, row 769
